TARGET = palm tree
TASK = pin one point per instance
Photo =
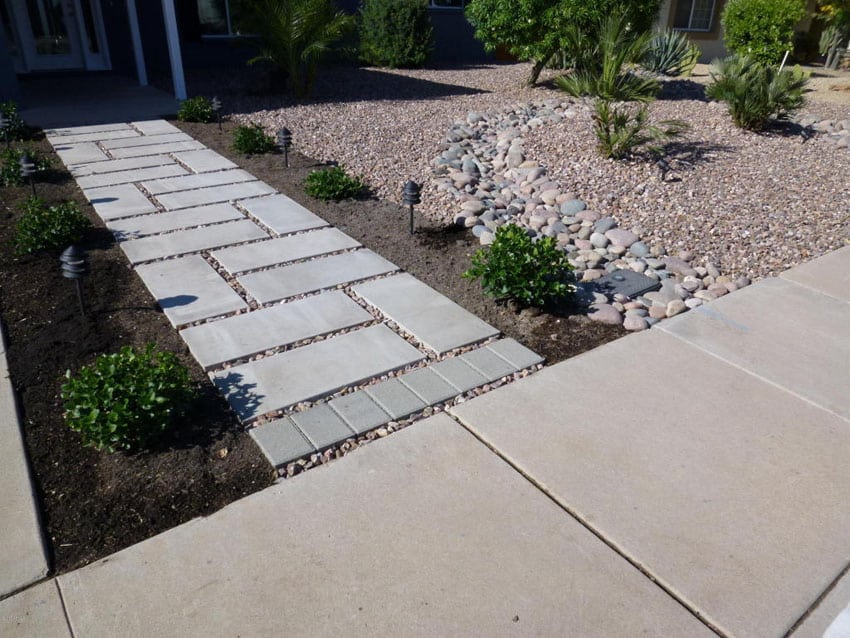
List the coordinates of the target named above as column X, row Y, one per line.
column 295, row 35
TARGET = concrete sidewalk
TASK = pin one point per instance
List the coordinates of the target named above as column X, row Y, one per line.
column 687, row 481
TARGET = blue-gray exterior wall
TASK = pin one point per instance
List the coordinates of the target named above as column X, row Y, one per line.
column 9, row 89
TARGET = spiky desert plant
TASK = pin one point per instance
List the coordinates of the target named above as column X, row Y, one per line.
column 830, row 45
column 670, row 53
column 623, row 129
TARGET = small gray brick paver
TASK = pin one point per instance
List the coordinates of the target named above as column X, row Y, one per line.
column 281, row 441
column 460, row 374
column 155, row 127
column 322, row 426
column 434, row 319
column 193, row 181
column 282, row 214
column 144, row 140
column 113, row 202
column 132, row 227
column 204, row 161
column 182, row 242
column 429, row 386
column 155, row 149
column 213, row 195
column 515, row 353
column 113, row 135
column 130, row 176
column 488, row 363
column 189, row 289
column 247, row 334
column 283, row 249
column 309, row 276
column 313, row 371
column 359, row 411
column 72, row 154
column 58, row 133
column 96, row 167
column 395, row 399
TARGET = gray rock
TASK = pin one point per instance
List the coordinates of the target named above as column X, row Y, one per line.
column 639, row 249
column 635, row 323
column 572, row 207
column 605, row 313
column 604, row 225
column 598, row 240
column 621, row 237
column 675, row 307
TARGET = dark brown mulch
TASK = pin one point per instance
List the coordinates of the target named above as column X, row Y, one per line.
column 93, row 503
column 436, row 255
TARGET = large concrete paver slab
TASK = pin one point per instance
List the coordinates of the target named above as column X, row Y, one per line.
column 253, row 332
column 829, row 274
column 791, row 335
column 155, row 127
column 143, row 225
column 192, row 240
column 205, row 160
column 309, row 276
column 423, row 533
column 434, row 319
column 283, row 249
column 145, row 140
column 282, row 214
column 130, row 176
column 64, row 131
column 189, row 289
column 72, row 154
column 831, row 618
column 22, row 557
column 155, row 149
column 314, row 370
column 202, row 180
column 124, row 200
column 106, row 136
column 36, row 612
column 728, row 489
column 97, row 167
column 213, row 195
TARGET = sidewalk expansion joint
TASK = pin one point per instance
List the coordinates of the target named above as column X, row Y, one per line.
column 817, row 601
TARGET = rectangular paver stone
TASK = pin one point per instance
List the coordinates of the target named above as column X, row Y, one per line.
column 72, row 154
column 155, row 149
column 488, row 363
column 283, row 249
column 322, row 426
column 192, row 240
column 124, row 200
column 97, row 167
column 112, row 135
column 429, row 386
column 155, row 127
column 38, row 611
column 317, row 274
column 829, row 274
column 134, row 140
column 60, row 132
column 314, row 370
column 203, row 161
column 193, row 181
column 359, row 411
column 213, row 195
column 461, row 375
column 515, row 353
column 143, row 225
column 189, row 289
column 434, row 319
column 395, row 399
column 282, row 214
column 130, row 176
column 247, row 334
column 281, row 441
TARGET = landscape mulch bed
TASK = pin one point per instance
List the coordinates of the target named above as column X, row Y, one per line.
column 93, row 503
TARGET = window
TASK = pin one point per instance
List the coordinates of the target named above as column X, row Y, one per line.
column 693, row 15
column 446, row 4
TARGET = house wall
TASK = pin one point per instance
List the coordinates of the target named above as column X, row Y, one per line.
column 710, row 43
column 9, row 89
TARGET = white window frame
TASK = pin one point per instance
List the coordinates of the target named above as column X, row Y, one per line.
column 438, row 7
column 690, row 28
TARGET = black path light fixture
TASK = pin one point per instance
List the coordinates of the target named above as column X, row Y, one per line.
column 27, row 167
column 216, row 107
column 75, row 266
column 410, row 197
column 284, row 141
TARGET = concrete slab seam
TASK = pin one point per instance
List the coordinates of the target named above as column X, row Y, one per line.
column 813, row 607
column 817, row 290
column 64, row 607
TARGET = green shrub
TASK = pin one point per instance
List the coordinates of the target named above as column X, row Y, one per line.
column 125, row 401
column 43, row 228
column 622, row 130
column 196, row 109
column 10, row 170
column 756, row 92
column 670, row 53
column 761, row 29
column 515, row 267
column 16, row 129
column 333, row 183
column 395, row 33
column 251, row 139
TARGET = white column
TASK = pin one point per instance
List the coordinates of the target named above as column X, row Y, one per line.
column 174, row 54
column 136, row 37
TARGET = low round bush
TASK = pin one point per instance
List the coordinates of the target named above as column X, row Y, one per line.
column 16, row 128
column 395, row 33
column 251, row 139
column 44, row 228
column 196, row 109
column 516, row 267
column 763, row 30
column 126, row 400
column 10, row 164
column 333, row 184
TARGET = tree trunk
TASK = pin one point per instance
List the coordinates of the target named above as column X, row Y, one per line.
column 538, row 67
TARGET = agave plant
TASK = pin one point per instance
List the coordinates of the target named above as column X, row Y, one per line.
column 830, row 46
column 295, row 35
column 670, row 53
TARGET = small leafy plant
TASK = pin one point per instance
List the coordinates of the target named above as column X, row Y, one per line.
column 251, row 139
column 44, row 228
column 395, row 33
column 670, row 53
column 533, row 273
column 126, row 400
column 333, row 183
column 756, row 93
column 10, row 170
column 196, row 109
column 622, row 130
column 16, row 129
